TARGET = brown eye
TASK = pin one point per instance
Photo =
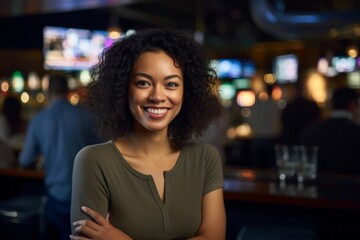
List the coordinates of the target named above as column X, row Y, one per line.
column 172, row 84
column 142, row 83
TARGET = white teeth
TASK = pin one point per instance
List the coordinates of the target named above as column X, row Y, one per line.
column 156, row 110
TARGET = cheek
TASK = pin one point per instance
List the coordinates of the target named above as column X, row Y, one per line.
column 178, row 100
column 179, row 96
column 135, row 98
column 133, row 103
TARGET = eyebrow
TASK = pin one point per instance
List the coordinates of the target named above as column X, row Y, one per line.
column 150, row 77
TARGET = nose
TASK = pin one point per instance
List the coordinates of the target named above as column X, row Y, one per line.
column 157, row 94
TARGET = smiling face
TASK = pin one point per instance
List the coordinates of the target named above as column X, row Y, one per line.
column 156, row 90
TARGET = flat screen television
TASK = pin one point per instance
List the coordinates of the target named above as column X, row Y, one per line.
column 286, row 68
column 71, row 48
column 343, row 64
column 227, row 68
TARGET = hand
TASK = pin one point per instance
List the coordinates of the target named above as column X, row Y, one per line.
column 100, row 229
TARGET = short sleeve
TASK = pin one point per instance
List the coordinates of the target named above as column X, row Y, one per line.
column 214, row 177
column 89, row 186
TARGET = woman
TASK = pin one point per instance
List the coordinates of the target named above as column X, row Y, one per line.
column 153, row 92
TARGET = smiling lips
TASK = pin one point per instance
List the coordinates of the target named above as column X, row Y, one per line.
column 156, row 112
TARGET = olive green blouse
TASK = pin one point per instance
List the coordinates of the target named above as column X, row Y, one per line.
column 104, row 181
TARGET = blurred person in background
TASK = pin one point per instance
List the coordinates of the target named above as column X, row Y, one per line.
column 297, row 115
column 7, row 156
column 337, row 137
column 56, row 134
column 12, row 124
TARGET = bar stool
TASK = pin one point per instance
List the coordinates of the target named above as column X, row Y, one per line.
column 20, row 217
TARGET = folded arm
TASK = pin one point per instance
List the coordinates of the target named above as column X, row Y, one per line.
column 99, row 229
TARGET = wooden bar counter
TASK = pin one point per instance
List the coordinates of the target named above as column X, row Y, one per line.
column 328, row 206
column 329, row 190
column 16, row 181
column 22, row 173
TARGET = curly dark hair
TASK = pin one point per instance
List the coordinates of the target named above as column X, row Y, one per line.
column 107, row 94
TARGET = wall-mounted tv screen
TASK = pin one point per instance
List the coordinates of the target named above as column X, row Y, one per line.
column 72, row 49
column 286, row 68
column 230, row 68
column 343, row 64
column 227, row 68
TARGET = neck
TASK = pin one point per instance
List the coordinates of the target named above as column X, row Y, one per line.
column 145, row 144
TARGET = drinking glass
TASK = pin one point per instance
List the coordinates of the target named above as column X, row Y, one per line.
column 286, row 160
column 307, row 163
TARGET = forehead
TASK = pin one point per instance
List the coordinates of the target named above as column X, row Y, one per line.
column 160, row 60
